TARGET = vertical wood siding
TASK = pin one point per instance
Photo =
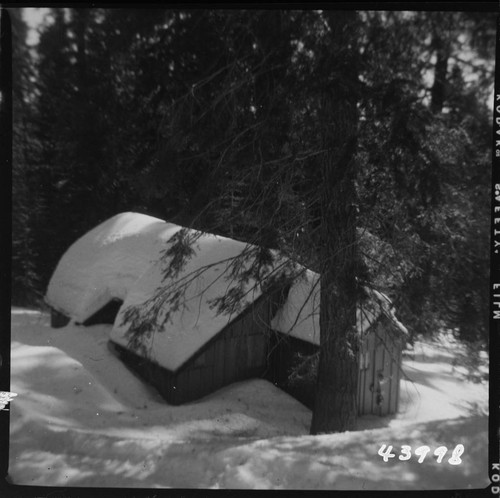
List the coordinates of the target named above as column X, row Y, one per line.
column 246, row 349
column 381, row 382
column 58, row 319
column 239, row 352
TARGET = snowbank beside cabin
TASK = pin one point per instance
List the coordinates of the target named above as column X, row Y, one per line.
column 299, row 315
column 105, row 263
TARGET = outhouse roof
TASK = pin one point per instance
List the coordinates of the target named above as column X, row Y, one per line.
column 299, row 315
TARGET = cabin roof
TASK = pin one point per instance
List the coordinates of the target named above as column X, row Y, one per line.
column 121, row 258
column 193, row 318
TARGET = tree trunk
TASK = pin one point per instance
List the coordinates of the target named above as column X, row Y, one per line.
column 438, row 90
column 81, row 15
column 335, row 407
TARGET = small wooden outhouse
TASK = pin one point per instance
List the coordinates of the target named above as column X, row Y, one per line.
column 295, row 347
column 379, row 369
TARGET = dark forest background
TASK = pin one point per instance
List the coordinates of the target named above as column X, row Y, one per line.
column 220, row 120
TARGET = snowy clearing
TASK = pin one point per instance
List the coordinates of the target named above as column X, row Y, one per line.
column 81, row 418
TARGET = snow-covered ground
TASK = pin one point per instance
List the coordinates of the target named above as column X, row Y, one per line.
column 81, row 418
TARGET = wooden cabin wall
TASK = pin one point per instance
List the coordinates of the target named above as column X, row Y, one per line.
column 58, row 319
column 246, row 349
column 283, row 358
column 237, row 353
column 106, row 314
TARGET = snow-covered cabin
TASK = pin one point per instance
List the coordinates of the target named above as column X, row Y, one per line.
column 191, row 349
column 118, row 265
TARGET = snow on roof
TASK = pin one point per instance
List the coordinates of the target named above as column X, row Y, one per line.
column 206, row 276
column 299, row 315
column 121, row 258
column 105, row 263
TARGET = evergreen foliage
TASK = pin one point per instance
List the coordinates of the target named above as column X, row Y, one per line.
column 223, row 121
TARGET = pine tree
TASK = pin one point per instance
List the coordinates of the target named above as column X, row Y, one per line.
column 25, row 199
column 336, row 386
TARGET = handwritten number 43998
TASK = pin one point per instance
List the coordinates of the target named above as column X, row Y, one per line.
column 386, row 452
